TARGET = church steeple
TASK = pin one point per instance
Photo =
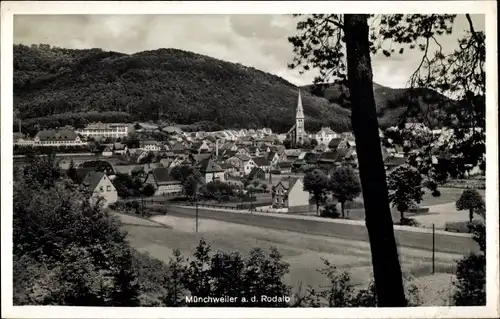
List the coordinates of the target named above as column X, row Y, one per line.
column 300, row 110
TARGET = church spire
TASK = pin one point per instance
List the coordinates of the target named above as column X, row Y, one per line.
column 300, row 110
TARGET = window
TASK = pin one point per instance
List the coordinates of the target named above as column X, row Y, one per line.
column 101, row 189
column 282, row 201
column 108, row 188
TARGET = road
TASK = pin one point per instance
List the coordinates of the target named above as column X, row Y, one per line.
column 443, row 243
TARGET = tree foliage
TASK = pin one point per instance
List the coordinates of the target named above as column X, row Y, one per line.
column 316, row 183
column 68, row 251
column 405, row 188
column 344, row 185
column 472, row 201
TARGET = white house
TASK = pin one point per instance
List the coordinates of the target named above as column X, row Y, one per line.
column 325, row 135
column 150, row 145
column 100, row 186
column 211, row 171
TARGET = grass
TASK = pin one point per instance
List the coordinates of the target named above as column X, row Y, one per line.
column 302, row 251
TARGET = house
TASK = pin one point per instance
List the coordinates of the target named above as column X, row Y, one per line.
column 229, row 147
column 243, row 151
column 211, row 171
column 229, row 169
column 178, row 148
column 244, row 164
column 291, row 197
column 107, row 152
column 292, row 155
column 254, row 151
column 172, row 129
column 273, row 158
column 146, row 127
column 334, row 143
column 100, row 188
column 99, row 166
column 285, row 167
column 256, row 173
column 347, row 143
column 200, row 147
column 321, row 148
column 120, row 149
column 262, row 163
column 150, row 145
column 163, row 182
column 332, row 157
column 325, row 135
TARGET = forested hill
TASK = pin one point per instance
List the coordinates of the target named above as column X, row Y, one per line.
column 55, row 86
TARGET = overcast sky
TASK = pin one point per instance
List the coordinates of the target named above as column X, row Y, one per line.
column 259, row 41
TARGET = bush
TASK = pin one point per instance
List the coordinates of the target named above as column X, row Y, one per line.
column 409, row 222
column 330, row 211
column 471, row 281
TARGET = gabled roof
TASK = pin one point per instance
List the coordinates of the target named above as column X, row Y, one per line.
column 270, row 155
column 229, row 153
column 209, row 166
column 332, row 156
column 261, row 161
column 242, row 157
column 178, row 147
column 254, row 172
column 334, row 142
column 92, row 179
column 226, row 165
column 162, row 176
column 56, row 135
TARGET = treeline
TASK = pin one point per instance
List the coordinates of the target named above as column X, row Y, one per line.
column 170, row 85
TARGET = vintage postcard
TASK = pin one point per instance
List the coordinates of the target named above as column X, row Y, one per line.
column 249, row 159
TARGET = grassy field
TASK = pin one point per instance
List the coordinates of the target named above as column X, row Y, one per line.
column 303, row 252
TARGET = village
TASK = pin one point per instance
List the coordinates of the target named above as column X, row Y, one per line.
column 243, row 168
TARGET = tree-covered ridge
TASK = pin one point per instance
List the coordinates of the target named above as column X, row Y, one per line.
column 166, row 84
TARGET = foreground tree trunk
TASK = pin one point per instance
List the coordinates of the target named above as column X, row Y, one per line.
column 386, row 267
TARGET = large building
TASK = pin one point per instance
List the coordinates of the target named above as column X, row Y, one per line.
column 103, row 130
column 57, row 138
column 297, row 133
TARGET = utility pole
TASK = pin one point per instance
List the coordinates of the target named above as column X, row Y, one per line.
column 433, row 248
column 196, row 198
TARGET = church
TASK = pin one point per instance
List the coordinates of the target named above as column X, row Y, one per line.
column 297, row 133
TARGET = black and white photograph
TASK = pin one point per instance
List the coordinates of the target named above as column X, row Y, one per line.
column 167, row 157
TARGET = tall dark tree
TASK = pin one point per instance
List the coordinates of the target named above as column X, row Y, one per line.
column 333, row 43
column 354, row 30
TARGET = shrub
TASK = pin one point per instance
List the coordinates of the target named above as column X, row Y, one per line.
column 330, row 211
column 409, row 222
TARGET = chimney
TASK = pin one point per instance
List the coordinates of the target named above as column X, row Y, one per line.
column 217, row 148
